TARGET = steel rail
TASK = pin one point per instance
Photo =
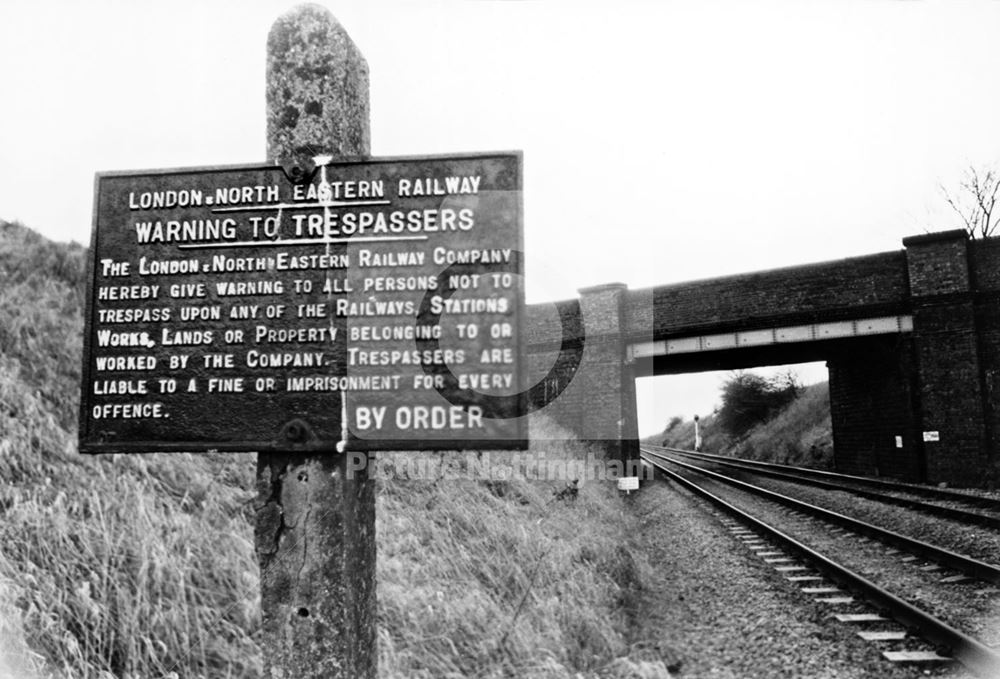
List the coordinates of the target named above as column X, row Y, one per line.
column 963, row 515
column 927, row 491
column 969, row 651
column 959, row 562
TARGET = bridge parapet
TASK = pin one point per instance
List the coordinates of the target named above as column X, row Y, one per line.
column 845, row 289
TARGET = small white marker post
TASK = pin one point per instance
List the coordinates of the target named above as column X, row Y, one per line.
column 628, row 483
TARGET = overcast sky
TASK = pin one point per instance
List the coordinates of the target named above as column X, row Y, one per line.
column 662, row 142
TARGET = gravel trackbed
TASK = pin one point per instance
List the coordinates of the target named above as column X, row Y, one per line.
column 725, row 613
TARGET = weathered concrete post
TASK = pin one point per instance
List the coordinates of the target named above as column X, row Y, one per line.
column 315, row 527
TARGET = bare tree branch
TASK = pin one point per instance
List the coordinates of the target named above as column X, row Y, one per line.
column 976, row 200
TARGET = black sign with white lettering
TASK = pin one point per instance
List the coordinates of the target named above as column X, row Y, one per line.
column 373, row 305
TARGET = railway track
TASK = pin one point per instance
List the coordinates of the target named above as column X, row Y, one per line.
column 889, row 492
column 959, row 562
column 774, row 545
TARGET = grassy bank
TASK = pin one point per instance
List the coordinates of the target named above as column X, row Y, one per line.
column 800, row 434
column 503, row 578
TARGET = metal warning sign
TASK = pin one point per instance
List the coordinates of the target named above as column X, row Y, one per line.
column 373, row 305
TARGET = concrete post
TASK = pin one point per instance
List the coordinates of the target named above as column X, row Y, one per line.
column 315, row 524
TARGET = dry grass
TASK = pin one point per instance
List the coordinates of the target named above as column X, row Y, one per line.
column 502, row 578
column 127, row 567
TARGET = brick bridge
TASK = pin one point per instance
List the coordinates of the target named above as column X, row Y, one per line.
column 911, row 339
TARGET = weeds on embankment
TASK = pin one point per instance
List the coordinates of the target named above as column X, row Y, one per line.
column 800, row 434
column 503, row 578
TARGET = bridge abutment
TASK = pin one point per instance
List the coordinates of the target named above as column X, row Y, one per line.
column 872, row 392
column 605, row 384
column 951, row 405
column 590, row 387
